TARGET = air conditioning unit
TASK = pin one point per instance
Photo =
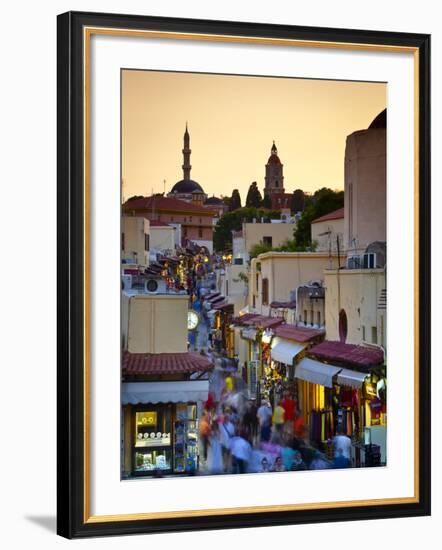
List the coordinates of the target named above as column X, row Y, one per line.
column 126, row 279
column 369, row 260
column 155, row 286
column 354, row 262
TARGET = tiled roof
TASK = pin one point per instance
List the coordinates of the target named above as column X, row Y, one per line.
column 262, row 321
column 299, row 334
column 163, row 363
column 285, row 305
column 243, row 319
column 157, row 203
column 349, row 354
column 335, row 215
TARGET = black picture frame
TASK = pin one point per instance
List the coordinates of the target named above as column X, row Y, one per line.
column 72, row 522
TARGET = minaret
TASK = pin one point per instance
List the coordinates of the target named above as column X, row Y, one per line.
column 274, row 180
column 186, row 156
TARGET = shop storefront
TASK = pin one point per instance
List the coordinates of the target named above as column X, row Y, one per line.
column 335, row 397
column 288, row 346
column 160, row 433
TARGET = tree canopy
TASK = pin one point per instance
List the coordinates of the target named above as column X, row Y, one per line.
column 267, row 202
column 254, row 198
column 322, row 202
column 232, row 221
column 298, row 201
column 235, row 200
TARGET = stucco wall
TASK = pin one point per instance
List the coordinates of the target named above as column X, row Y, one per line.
column 149, row 320
column 336, row 229
column 162, row 237
column 365, row 189
column 253, row 233
column 357, row 292
column 286, row 271
column 135, row 228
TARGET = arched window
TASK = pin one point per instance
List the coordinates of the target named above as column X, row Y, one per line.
column 343, row 326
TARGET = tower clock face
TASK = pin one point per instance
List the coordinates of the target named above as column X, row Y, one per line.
column 192, row 320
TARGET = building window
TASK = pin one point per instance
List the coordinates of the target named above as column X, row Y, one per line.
column 227, row 288
column 184, row 231
column 190, row 218
column 276, row 183
column 146, row 242
column 374, row 335
column 185, row 220
column 305, row 316
column 343, row 326
column 257, row 283
column 318, row 318
column 363, row 333
column 201, row 220
column 200, row 232
column 267, row 241
column 311, row 317
column 122, row 241
column 265, row 292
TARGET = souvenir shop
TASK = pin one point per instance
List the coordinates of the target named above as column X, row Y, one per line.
column 279, row 370
column 160, row 426
column 338, row 399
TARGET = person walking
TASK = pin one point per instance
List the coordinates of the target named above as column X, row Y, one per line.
column 204, row 429
column 241, row 451
column 264, row 416
column 227, row 431
column 278, row 417
column 214, row 455
column 341, row 445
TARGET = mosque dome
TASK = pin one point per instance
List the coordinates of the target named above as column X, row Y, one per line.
column 187, row 186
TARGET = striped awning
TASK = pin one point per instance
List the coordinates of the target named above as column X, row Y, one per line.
column 351, row 378
column 285, row 351
column 188, row 391
column 316, row 372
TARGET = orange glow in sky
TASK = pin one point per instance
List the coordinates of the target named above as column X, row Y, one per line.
column 233, row 121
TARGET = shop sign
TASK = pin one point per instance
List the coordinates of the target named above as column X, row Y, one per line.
column 370, row 390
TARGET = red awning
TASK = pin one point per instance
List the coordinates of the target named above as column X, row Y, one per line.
column 350, row 354
column 164, row 363
column 299, row 334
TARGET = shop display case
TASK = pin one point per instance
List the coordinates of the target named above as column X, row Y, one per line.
column 185, row 439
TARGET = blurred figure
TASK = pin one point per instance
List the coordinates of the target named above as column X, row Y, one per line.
column 278, row 466
column 289, row 406
column 319, row 462
column 341, row 461
column 204, row 429
column 287, row 455
column 278, row 417
column 227, row 431
column 265, row 465
column 341, row 444
column 298, row 464
column 264, row 415
column 241, row 452
column 214, row 455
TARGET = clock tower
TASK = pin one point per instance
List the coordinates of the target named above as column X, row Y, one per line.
column 274, row 179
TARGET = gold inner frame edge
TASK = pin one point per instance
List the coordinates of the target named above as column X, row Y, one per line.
column 87, row 34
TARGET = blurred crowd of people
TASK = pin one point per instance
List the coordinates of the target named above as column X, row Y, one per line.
column 237, row 436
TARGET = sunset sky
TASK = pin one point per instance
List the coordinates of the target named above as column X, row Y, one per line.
column 232, row 122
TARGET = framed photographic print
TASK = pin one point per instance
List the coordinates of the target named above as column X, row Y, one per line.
column 226, row 194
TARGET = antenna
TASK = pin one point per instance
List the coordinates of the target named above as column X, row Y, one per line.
column 164, row 186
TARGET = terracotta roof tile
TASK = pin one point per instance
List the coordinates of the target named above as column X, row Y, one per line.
column 335, row 215
column 299, row 334
column 163, row 363
column 164, row 203
column 350, row 354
